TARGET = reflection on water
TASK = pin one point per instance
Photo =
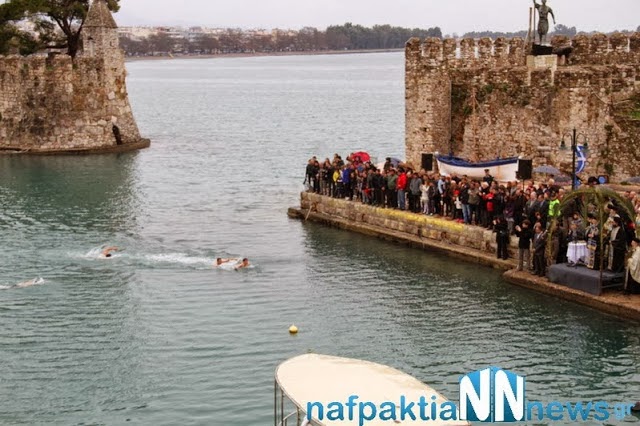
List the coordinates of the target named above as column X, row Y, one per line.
column 41, row 190
column 156, row 335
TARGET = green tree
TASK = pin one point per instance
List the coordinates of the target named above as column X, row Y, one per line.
column 12, row 39
column 350, row 36
column 67, row 15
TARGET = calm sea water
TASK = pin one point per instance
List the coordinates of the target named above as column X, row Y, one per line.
column 155, row 336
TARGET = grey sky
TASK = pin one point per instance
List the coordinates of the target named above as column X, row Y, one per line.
column 457, row 16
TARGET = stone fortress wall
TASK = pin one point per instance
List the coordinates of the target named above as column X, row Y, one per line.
column 55, row 103
column 481, row 99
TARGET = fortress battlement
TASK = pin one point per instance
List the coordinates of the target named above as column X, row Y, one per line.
column 13, row 63
column 597, row 49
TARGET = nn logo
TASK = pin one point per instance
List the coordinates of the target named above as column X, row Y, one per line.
column 492, row 395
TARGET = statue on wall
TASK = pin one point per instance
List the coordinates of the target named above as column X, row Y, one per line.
column 543, row 25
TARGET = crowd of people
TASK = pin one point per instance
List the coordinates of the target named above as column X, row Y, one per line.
column 511, row 209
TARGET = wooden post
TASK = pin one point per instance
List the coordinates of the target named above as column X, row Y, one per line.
column 530, row 25
column 533, row 27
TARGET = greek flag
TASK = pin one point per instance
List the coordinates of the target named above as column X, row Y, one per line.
column 581, row 159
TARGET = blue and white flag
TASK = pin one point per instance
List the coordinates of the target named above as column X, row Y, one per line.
column 581, row 159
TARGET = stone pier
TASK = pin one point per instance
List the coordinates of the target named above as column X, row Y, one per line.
column 438, row 235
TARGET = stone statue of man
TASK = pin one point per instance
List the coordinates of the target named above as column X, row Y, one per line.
column 543, row 25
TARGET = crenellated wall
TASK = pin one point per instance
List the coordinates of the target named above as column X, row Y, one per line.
column 54, row 103
column 481, row 99
column 597, row 49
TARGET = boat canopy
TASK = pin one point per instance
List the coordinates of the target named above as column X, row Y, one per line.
column 502, row 169
column 324, row 379
column 460, row 162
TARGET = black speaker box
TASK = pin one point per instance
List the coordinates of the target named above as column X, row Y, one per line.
column 525, row 169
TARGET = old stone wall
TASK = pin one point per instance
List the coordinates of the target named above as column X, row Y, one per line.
column 436, row 230
column 503, row 103
column 56, row 103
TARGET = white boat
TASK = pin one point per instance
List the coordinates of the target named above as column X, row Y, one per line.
column 314, row 383
column 503, row 170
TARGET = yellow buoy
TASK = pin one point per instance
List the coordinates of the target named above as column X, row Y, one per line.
column 293, row 329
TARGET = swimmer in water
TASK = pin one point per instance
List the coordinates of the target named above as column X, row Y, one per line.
column 220, row 261
column 107, row 252
column 244, row 264
column 29, row 283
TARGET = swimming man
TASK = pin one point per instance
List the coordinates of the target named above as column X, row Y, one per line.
column 107, row 252
column 220, row 261
column 243, row 264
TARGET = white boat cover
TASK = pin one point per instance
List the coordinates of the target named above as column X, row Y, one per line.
column 324, row 379
column 501, row 170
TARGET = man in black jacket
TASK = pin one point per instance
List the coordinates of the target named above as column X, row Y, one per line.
column 501, row 228
column 525, row 234
column 539, row 247
column 519, row 204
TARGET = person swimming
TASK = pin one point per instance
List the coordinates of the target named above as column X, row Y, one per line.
column 220, row 261
column 24, row 284
column 108, row 251
column 243, row 264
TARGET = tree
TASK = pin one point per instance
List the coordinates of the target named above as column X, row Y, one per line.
column 282, row 41
column 207, row 43
column 307, row 39
column 495, row 34
column 67, row 15
column 12, row 39
column 161, row 42
column 133, row 47
column 564, row 30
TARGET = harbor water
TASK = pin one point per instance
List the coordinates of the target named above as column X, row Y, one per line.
column 156, row 336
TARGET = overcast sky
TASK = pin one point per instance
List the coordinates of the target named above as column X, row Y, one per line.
column 453, row 16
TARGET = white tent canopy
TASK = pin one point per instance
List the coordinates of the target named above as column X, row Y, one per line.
column 324, row 379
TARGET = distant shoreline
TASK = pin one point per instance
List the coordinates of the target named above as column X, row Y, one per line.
column 257, row 54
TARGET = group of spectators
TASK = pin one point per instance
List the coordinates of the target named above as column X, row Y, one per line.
column 525, row 210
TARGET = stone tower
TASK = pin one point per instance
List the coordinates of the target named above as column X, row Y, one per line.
column 99, row 32
column 100, row 42
column 428, row 101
